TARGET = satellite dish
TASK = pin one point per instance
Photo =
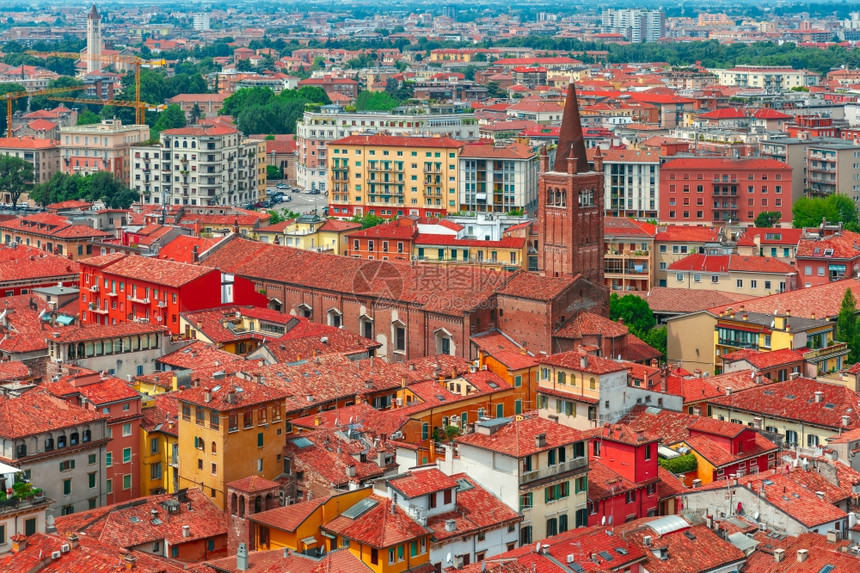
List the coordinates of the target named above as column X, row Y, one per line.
column 755, row 517
column 610, row 520
column 448, row 558
column 603, row 520
column 537, row 547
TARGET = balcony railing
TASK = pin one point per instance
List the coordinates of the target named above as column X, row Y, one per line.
column 833, row 349
column 141, row 300
column 14, row 504
column 568, row 466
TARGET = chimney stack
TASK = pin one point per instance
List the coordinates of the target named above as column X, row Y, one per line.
column 802, row 555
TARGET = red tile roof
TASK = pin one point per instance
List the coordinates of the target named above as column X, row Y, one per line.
column 101, row 331
column 421, row 482
column 13, row 370
column 766, row 360
column 156, row 271
column 725, row 164
column 37, row 411
column 535, row 287
column 289, row 517
column 477, row 509
column 113, row 524
column 589, row 324
column 845, row 245
column 180, row 249
column 253, row 484
column 686, row 234
column 230, row 393
column 162, row 416
column 380, row 527
column 503, row 349
column 24, row 263
column 201, row 131
column 54, row 226
column 27, row 142
column 795, row 400
column 724, row 113
column 581, row 362
column 726, row 263
column 453, row 241
column 517, row 438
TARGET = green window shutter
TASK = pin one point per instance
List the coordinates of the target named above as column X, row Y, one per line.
column 260, row 440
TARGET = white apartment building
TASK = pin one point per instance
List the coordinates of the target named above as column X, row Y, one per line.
column 631, row 182
column 498, row 178
column 771, row 78
column 636, row 25
column 200, row 166
column 331, row 122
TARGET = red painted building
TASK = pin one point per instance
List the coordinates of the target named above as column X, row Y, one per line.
column 710, row 189
column 119, row 288
column 812, row 126
column 391, row 241
column 623, row 478
column 121, row 403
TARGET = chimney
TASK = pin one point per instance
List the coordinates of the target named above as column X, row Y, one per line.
column 195, row 255
column 73, row 540
column 350, row 470
column 540, row 441
column 450, row 525
column 368, row 384
column 778, row 555
column 728, row 390
column 19, row 543
column 186, row 531
column 129, row 561
column 802, row 555
column 207, row 395
column 646, row 541
column 242, row 558
column 846, row 421
column 832, row 536
column 819, row 396
column 583, row 361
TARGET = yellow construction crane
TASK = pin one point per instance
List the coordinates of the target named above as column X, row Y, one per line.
column 140, row 106
column 12, row 96
column 136, row 63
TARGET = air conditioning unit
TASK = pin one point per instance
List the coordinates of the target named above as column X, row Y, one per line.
column 56, row 555
column 65, row 548
column 399, row 402
column 398, row 435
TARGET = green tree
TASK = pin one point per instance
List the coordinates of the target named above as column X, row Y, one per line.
column 281, row 216
column 835, row 208
column 846, row 324
column 633, row 310
column 60, row 187
column 196, row 113
column 767, row 219
column 375, row 101
column 113, row 193
column 16, row 177
column 170, row 118
column 657, row 338
column 273, row 172
column 367, row 221
column 86, row 117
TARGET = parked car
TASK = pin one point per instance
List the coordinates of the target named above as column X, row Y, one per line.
column 283, row 186
column 314, row 192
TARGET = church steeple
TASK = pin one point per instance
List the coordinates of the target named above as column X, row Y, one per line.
column 94, row 14
column 571, row 142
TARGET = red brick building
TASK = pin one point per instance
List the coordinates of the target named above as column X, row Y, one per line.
column 708, row 189
column 118, row 288
column 570, row 205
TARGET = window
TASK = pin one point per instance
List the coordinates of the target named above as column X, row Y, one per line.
column 556, row 492
column 91, row 480
column 580, row 484
column 126, row 455
column 126, row 481
column 126, row 430
column 155, row 471
column 247, row 419
column 753, row 284
column 67, row 465
column 551, row 527
column 153, row 445
column 67, row 486
column 92, row 459
column 647, row 451
column 526, row 501
column 740, row 283
column 260, row 440
column 715, row 279
column 174, row 551
column 631, row 496
column 108, row 459
column 109, row 486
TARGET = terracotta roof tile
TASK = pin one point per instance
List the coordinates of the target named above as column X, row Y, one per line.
column 517, row 438
column 397, row 141
column 503, row 349
column 477, row 509
column 156, row 271
column 380, row 527
column 37, row 411
column 289, row 517
column 823, row 301
column 422, row 482
column 589, row 324
column 24, row 263
column 580, row 362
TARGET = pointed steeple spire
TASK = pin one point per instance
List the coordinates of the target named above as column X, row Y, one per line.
column 94, row 14
column 571, row 142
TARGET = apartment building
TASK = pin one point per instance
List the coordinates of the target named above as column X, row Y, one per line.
column 60, row 447
column 752, row 275
column 699, row 190
column 821, row 260
column 792, row 152
column 52, row 233
column 771, row 78
column 332, row 122
column 44, row 154
column 498, row 178
column 636, row 26
column 20, row 514
column 833, row 167
column 631, row 181
column 536, row 466
column 208, row 165
column 628, row 260
column 393, row 176
column 674, row 242
column 86, row 149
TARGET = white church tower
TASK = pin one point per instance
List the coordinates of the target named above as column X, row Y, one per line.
column 94, row 41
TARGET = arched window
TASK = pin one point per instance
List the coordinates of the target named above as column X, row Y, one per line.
column 87, row 435
column 81, row 353
column 233, row 502
column 72, row 354
column 61, row 441
column 49, row 443
column 241, row 506
column 214, row 448
column 258, row 504
column 74, row 439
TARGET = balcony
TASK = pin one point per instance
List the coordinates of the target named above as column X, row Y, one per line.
column 574, row 465
column 162, row 304
column 140, row 300
column 94, row 288
column 111, row 293
column 99, row 310
column 835, row 349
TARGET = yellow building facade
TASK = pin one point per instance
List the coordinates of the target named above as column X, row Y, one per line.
column 227, row 432
column 391, row 176
column 159, row 449
column 509, row 253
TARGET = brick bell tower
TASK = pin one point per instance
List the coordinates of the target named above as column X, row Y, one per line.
column 570, row 205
